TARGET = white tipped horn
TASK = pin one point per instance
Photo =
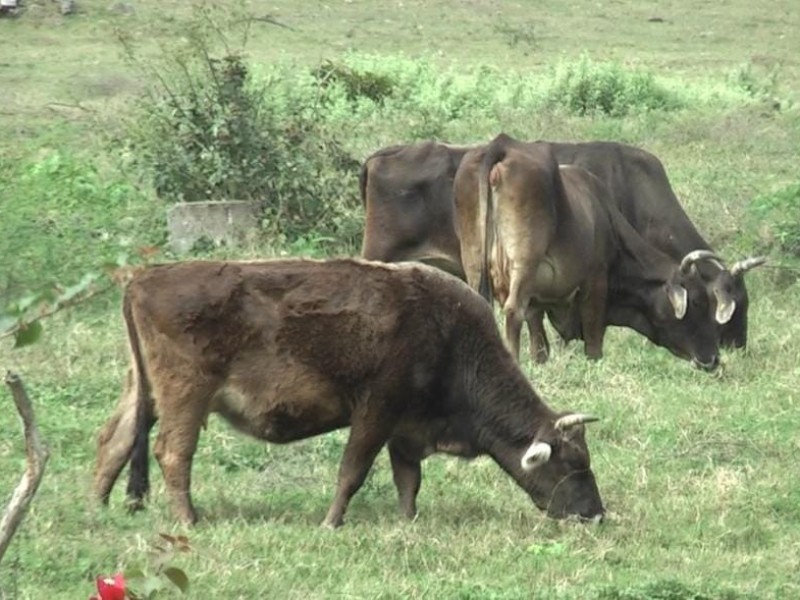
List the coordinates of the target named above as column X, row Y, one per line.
column 740, row 267
column 568, row 421
column 538, row 454
column 696, row 255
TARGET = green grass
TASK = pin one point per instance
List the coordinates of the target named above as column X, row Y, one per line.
column 699, row 472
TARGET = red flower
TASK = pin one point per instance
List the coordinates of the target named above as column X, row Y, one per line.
column 110, row 588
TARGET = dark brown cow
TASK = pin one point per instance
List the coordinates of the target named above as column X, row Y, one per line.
column 406, row 192
column 544, row 238
column 637, row 184
column 404, row 354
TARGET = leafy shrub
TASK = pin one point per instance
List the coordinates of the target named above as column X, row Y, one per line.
column 586, row 87
column 779, row 216
column 760, row 84
column 208, row 130
column 67, row 218
column 356, row 83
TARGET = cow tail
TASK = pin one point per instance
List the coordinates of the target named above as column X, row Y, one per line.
column 485, row 199
column 139, row 473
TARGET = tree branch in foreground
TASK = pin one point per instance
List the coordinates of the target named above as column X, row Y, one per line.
column 37, row 456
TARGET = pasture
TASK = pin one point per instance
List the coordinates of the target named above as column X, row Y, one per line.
column 699, row 472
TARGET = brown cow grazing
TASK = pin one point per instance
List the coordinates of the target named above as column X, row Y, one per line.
column 543, row 238
column 637, row 185
column 529, row 243
column 406, row 355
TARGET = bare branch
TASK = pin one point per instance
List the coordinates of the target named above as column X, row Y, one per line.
column 37, row 456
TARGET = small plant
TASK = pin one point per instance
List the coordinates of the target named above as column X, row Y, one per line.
column 137, row 584
column 517, row 34
column 587, row 87
column 357, row 83
column 779, row 216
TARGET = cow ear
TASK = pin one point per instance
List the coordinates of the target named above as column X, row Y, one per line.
column 725, row 307
column 538, row 454
column 678, row 296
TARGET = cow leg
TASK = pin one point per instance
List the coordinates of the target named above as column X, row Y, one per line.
column 593, row 316
column 115, row 442
column 174, row 449
column 540, row 345
column 175, row 445
column 407, row 474
column 368, row 434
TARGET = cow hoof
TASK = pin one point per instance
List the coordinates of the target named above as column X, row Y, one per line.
column 332, row 523
column 134, row 505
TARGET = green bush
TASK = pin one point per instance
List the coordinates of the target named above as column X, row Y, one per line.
column 65, row 218
column 586, row 87
column 208, row 130
column 779, row 218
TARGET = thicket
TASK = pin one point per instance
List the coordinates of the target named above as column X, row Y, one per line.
column 206, row 129
column 778, row 216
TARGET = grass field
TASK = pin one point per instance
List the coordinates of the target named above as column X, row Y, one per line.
column 699, row 472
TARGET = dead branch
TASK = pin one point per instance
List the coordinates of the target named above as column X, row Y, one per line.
column 37, row 456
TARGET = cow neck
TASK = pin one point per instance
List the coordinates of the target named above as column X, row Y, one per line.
column 638, row 263
column 505, row 409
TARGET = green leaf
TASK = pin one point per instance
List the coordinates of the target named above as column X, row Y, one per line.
column 178, row 578
column 7, row 323
column 28, row 334
column 134, row 573
column 151, row 585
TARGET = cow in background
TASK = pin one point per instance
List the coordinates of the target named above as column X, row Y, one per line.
column 637, row 184
column 538, row 237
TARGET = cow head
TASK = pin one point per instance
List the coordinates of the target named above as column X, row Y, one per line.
column 728, row 295
column 556, row 470
column 682, row 322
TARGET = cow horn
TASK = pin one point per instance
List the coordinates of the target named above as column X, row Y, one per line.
column 696, row 255
column 740, row 267
column 538, row 454
column 569, row 421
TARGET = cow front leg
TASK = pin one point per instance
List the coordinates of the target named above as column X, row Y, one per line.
column 367, row 437
column 407, row 474
column 593, row 316
column 540, row 345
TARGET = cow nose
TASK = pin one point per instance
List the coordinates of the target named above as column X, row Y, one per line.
column 707, row 366
column 594, row 519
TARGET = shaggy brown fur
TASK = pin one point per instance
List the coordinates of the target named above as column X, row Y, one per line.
column 406, row 355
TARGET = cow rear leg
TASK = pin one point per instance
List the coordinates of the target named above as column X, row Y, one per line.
column 407, row 474
column 367, row 437
column 540, row 345
column 174, row 449
column 115, row 442
column 513, row 329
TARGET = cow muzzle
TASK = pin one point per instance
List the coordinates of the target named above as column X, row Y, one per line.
column 708, row 366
